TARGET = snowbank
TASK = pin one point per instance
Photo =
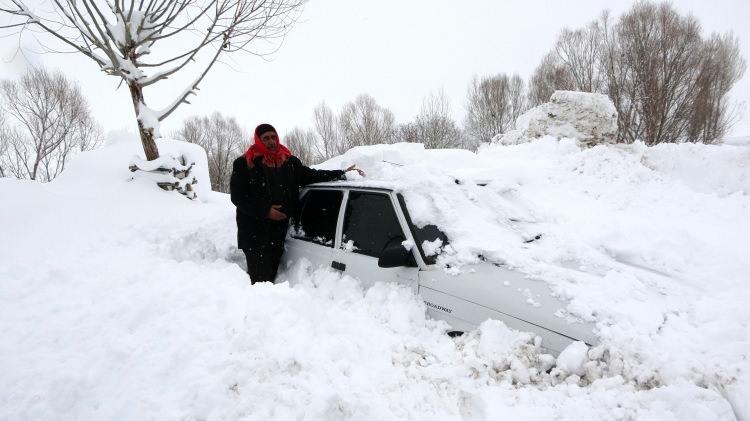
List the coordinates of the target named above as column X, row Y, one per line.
column 588, row 117
column 107, row 168
column 122, row 301
column 643, row 240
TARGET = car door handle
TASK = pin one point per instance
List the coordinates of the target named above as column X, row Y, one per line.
column 338, row 266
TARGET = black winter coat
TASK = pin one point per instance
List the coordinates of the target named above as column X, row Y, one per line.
column 251, row 193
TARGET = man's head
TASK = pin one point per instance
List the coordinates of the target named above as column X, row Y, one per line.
column 268, row 136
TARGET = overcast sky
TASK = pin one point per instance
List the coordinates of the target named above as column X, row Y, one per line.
column 398, row 51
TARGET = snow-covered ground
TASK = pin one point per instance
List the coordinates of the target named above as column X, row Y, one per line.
column 122, row 301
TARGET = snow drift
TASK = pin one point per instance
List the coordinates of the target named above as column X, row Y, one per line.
column 122, row 301
column 589, row 118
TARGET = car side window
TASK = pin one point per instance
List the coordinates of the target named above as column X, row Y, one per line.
column 320, row 212
column 370, row 223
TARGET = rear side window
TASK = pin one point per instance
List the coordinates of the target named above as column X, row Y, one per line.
column 370, row 223
column 320, row 212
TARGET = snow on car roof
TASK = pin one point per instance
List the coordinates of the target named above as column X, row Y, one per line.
column 372, row 184
column 444, row 187
column 595, row 223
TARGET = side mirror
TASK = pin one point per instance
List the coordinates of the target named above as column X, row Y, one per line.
column 395, row 255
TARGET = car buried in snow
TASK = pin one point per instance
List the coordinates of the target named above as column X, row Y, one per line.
column 367, row 233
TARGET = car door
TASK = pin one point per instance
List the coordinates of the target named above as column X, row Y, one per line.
column 314, row 235
column 371, row 223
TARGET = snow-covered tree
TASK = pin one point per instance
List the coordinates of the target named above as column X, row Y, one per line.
column 122, row 37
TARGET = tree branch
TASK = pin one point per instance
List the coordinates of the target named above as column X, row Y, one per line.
column 190, row 91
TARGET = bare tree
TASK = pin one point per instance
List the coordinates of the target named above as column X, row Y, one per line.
column 551, row 75
column 517, row 98
column 4, row 144
column 493, row 105
column 302, row 144
column 662, row 48
column 408, row 132
column 620, row 82
column 222, row 138
column 434, row 125
column 120, row 37
column 326, row 127
column 721, row 67
column 579, row 51
column 364, row 122
column 51, row 122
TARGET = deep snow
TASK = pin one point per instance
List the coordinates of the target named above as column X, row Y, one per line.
column 121, row 301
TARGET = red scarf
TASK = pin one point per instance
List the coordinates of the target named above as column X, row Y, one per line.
column 270, row 158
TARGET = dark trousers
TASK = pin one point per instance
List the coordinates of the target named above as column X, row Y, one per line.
column 263, row 262
column 263, row 250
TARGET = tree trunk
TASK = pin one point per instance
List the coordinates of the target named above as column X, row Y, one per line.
column 147, row 134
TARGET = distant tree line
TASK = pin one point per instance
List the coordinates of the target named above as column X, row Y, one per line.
column 668, row 84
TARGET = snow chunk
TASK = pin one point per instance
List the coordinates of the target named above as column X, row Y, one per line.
column 432, row 248
column 348, row 246
column 497, row 339
column 573, row 358
column 590, row 118
column 149, row 118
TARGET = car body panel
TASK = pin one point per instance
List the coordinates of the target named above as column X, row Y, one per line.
column 488, row 291
column 318, row 255
column 366, row 269
column 464, row 300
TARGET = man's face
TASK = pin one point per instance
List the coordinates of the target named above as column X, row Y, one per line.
column 270, row 140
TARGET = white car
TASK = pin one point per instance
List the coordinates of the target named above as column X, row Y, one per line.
column 367, row 233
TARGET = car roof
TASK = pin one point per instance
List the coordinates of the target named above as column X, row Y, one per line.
column 363, row 184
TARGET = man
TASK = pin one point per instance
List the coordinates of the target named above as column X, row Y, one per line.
column 265, row 189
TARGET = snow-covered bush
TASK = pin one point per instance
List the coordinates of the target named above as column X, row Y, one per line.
column 590, row 118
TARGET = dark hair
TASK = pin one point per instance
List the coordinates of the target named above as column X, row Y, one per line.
column 263, row 128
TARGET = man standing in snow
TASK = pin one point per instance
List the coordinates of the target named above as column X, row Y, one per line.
column 265, row 189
